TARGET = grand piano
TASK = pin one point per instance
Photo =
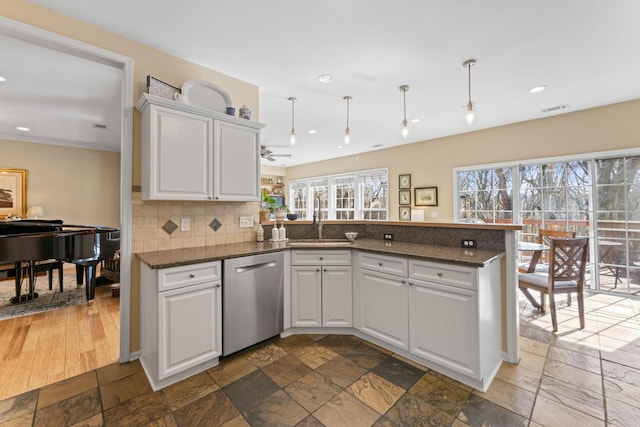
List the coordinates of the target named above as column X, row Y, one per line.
column 25, row 242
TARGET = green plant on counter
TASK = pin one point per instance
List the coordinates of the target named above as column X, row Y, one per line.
column 269, row 203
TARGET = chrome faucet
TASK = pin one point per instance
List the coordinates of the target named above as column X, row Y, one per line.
column 317, row 219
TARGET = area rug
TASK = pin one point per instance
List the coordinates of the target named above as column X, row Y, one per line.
column 47, row 299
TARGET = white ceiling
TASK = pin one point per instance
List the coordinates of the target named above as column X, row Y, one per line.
column 58, row 96
column 585, row 51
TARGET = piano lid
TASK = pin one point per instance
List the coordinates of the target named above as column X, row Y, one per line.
column 29, row 226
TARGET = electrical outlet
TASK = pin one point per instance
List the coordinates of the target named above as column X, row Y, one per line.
column 388, row 236
column 185, row 224
column 246, row 221
column 469, row 243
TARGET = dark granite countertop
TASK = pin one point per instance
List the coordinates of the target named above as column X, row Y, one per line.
column 452, row 255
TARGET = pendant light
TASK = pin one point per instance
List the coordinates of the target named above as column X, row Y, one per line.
column 347, row 137
column 470, row 115
column 405, row 128
column 292, row 134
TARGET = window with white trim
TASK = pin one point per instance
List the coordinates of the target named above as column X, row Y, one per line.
column 356, row 195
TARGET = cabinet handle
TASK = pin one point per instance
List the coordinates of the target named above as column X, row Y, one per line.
column 192, row 275
column 439, row 273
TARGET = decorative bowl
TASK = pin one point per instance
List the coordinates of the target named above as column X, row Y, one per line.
column 351, row 235
column 292, row 216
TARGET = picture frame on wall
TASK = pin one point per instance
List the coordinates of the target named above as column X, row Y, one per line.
column 404, row 181
column 404, row 197
column 405, row 213
column 13, row 192
column 426, row 196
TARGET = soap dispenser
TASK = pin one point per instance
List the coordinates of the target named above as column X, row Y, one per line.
column 275, row 235
column 282, row 233
column 260, row 234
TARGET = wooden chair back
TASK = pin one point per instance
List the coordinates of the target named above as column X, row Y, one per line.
column 569, row 259
column 545, row 236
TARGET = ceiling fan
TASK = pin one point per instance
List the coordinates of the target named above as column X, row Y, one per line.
column 265, row 153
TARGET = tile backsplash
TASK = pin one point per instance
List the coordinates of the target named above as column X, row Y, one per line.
column 150, row 217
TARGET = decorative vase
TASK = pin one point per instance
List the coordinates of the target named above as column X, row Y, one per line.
column 245, row 112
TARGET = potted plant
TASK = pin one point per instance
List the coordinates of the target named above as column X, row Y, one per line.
column 268, row 207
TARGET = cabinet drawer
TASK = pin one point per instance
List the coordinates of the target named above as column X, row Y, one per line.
column 187, row 275
column 321, row 257
column 383, row 263
column 448, row 274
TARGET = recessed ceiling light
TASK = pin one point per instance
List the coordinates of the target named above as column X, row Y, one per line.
column 415, row 120
column 537, row 89
column 340, row 146
column 313, row 131
column 325, row 78
column 23, row 128
column 2, row 79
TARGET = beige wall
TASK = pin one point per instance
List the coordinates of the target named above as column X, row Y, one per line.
column 80, row 187
column 149, row 217
column 430, row 163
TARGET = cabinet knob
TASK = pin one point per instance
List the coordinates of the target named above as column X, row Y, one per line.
column 380, row 264
column 321, row 258
column 217, row 285
column 439, row 273
column 403, row 281
column 325, row 270
column 192, row 275
column 410, row 283
column 209, row 197
column 319, row 269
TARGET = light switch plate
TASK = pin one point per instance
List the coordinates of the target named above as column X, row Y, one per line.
column 185, row 224
column 246, row 221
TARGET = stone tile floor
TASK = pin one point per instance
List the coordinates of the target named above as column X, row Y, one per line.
column 575, row 377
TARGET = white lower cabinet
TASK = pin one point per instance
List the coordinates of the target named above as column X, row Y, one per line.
column 383, row 307
column 452, row 341
column 448, row 316
column 321, row 292
column 180, row 321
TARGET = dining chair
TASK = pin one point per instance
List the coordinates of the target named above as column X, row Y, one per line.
column 544, row 237
column 568, row 259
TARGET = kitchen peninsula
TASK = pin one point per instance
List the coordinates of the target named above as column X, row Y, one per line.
column 422, row 278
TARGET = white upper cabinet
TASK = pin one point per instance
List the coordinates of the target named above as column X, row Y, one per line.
column 236, row 162
column 191, row 153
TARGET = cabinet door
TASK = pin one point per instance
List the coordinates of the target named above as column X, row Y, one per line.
column 236, row 162
column 384, row 307
column 306, row 296
column 336, row 297
column 443, row 326
column 190, row 327
column 180, row 157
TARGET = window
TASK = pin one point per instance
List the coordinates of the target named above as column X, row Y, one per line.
column 357, row 195
column 595, row 197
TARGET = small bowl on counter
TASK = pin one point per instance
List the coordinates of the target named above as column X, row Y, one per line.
column 351, row 235
column 292, row 216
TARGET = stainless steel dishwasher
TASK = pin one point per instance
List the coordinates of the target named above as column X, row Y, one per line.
column 252, row 300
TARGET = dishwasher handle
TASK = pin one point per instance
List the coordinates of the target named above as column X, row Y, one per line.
column 246, row 268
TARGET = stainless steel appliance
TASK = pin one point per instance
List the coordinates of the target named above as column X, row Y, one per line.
column 252, row 300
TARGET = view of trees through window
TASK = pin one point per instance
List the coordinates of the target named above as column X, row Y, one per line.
column 357, row 195
column 599, row 198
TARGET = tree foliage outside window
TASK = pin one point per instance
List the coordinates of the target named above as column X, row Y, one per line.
column 356, row 195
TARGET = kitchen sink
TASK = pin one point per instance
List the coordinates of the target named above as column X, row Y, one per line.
column 314, row 243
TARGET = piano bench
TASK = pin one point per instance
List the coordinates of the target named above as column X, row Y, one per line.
column 48, row 267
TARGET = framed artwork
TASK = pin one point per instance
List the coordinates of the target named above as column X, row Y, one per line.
column 13, row 192
column 162, row 89
column 405, row 197
column 426, row 196
column 404, row 181
column 405, row 213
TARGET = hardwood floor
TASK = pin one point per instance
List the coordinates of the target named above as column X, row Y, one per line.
column 48, row 347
